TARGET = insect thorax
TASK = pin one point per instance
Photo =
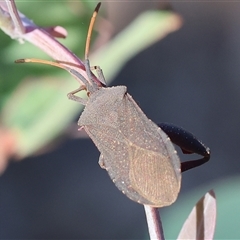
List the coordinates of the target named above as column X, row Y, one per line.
column 101, row 106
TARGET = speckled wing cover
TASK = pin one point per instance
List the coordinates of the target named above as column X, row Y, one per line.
column 137, row 154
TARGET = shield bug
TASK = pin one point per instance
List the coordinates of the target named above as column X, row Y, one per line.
column 137, row 154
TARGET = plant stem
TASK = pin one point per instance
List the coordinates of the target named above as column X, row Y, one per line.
column 15, row 16
column 154, row 223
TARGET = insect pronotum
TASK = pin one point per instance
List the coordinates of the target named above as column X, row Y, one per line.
column 137, row 154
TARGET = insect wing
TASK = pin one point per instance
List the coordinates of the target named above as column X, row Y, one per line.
column 155, row 170
column 137, row 154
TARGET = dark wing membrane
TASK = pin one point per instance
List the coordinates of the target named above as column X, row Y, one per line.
column 145, row 176
column 153, row 177
column 115, row 158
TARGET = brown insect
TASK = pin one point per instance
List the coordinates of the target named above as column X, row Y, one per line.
column 137, row 154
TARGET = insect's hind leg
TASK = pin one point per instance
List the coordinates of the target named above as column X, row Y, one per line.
column 188, row 143
column 185, row 166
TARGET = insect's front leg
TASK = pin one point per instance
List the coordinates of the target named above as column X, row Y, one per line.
column 99, row 74
column 188, row 143
column 75, row 98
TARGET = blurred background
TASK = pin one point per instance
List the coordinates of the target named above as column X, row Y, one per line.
column 190, row 78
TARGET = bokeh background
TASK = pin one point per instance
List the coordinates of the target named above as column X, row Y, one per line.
column 190, row 78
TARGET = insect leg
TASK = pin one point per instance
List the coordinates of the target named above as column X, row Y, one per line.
column 194, row 163
column 76, row 74
column 188, row 143
column 73, row 97
column 100, row 74
column 93, row 85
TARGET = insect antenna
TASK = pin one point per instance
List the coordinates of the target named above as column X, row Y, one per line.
column 36, row 60
column 76, row 74
column 90, row 83
column 88, row 40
